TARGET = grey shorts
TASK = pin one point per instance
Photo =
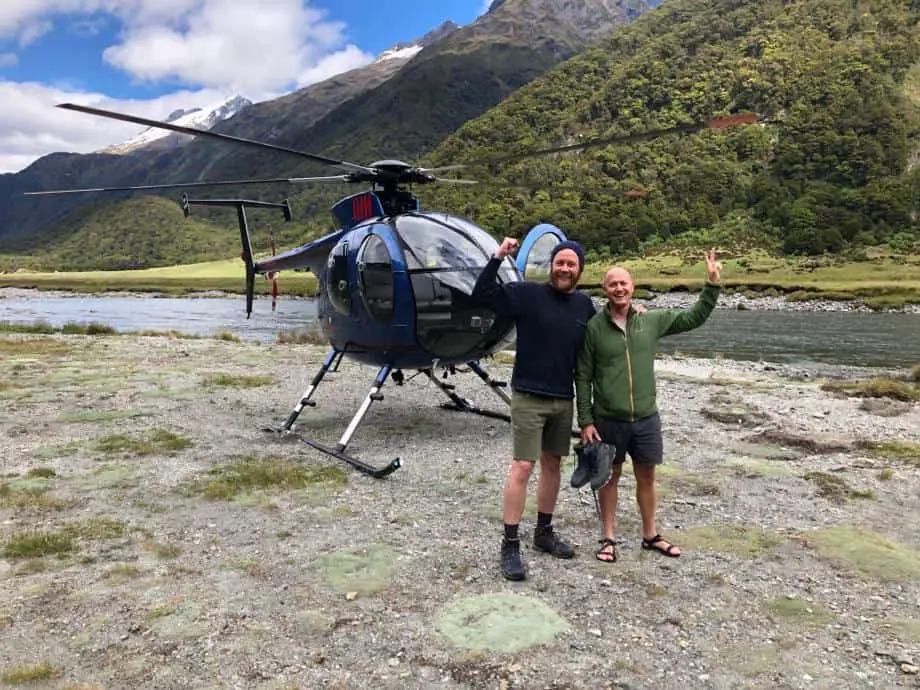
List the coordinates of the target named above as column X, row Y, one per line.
column 540, row 424
column 640, row 439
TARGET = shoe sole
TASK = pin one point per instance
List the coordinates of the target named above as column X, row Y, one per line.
column 555, row 555
column 514, row 577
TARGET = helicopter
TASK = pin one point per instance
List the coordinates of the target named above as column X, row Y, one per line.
column 394, row 281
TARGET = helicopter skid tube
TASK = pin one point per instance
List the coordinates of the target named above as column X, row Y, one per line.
column 339, row 454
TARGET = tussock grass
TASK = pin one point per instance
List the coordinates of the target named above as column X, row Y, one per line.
column 24, row 675
column 874, row 388
column 222, row 380
column 310, row 335
column 36, row 544
column 24, row 496
column 247, row 474
column 153, row 442
column 96, row 529
column 35, row 347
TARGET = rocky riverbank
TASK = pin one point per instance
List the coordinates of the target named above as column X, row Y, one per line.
column 152, row 535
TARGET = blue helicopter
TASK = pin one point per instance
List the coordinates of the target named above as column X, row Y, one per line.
column 395, row 282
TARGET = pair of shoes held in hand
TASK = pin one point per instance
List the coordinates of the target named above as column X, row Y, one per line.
column 595, row 465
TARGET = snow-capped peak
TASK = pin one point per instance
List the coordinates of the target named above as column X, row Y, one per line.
column 407, row 50
column 198, row 118
column 404, row 52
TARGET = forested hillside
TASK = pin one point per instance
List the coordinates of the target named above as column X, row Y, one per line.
column 838, row 79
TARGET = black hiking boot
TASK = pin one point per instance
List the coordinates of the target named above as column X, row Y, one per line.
column 544, row 539
column 603, row 465
column 512, row 565
column 585, row 467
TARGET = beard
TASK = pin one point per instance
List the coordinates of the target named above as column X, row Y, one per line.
column 563, row 281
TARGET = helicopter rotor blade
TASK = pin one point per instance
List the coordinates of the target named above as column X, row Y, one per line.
column 450, row 180
column 716, row 123
column 215, row 135
column 219, row 183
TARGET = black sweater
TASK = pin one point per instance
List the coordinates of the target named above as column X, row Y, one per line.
column 550, row 326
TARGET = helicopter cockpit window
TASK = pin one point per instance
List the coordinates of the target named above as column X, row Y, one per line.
column 375, row 273
column 444, row 258
column 339, row 294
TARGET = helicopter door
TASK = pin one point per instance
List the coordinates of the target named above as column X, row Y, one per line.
column 533, row 258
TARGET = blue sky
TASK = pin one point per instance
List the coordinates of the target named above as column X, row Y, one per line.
column 150, row 57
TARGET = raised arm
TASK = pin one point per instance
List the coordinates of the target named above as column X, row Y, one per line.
column 499, row 297
column 675, row 321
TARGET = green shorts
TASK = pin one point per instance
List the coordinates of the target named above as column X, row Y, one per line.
column 540, row 424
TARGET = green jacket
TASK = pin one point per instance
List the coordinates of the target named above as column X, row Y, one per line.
column 615, row 370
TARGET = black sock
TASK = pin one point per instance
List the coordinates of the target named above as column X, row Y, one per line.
column 511, row 532
column 543, row 519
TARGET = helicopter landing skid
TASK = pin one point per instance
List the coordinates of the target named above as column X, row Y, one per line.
column 331, row 361
column 459, row 404
column 339, row 451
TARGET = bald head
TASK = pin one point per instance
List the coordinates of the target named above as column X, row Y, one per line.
column 618, row 286
column 617, row 274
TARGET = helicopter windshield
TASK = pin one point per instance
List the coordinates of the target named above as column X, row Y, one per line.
column 444, row 257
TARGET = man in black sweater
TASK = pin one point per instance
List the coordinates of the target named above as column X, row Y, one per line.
column 550, row 319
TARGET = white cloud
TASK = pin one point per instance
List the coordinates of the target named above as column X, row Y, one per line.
column 31, row 126
column 32, row 31
column 213, row 48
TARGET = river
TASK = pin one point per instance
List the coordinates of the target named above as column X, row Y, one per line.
column 849, row 338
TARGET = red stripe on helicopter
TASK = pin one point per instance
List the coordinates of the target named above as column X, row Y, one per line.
column 362, row 207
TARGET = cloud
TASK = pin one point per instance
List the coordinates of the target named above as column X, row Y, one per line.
column 9, row 59
column 246, row 47
column 213, row 49
column 30, row 125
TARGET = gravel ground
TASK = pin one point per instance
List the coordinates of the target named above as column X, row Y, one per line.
column 249, row 560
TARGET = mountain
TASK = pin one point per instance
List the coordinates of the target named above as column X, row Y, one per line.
column 199, row 118
column 395, row 112
column 137, row 162
column 835, row 166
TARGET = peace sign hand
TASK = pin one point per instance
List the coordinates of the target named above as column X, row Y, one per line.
column 714, row 267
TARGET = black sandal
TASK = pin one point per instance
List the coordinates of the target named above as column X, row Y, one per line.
column 652, row 545
column 602, row 551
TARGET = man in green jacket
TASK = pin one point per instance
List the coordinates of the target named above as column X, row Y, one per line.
column 615, row 392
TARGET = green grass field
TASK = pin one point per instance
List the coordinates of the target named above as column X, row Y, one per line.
column 891, row 279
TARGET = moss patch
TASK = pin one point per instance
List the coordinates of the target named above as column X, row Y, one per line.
column 906, row 629
column 813, row 444
column 867, row 552
column 743, row 541
column 364, row 569
column 899, row 452
column 750, row 468
column 501, row 623
column 103, row 416
column 798, row 611
column 834, row 488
